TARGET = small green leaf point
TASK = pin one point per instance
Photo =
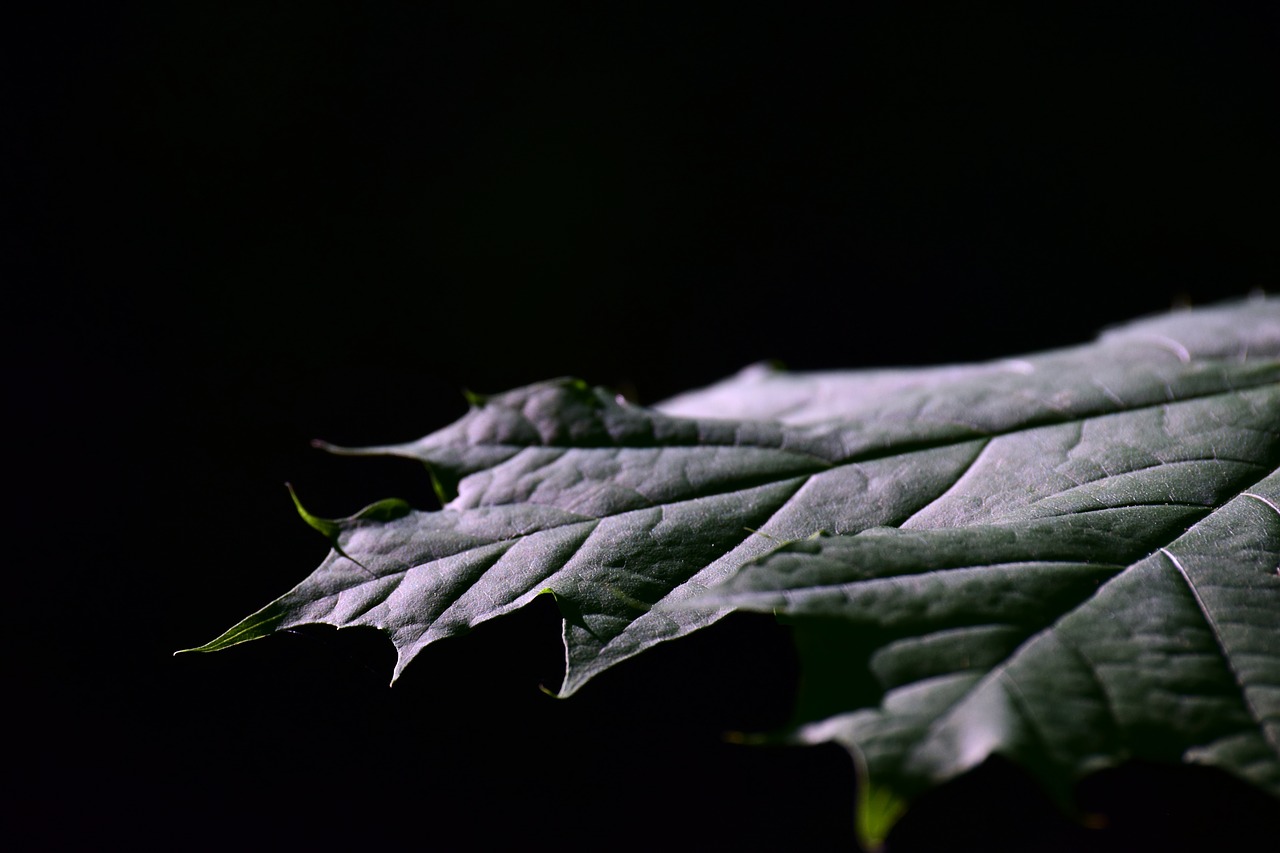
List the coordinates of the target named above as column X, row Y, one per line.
column 879, row 808
column 549, row 692
column 327, row 527
column 387, row 509
column 254, row 627
column 444, row 484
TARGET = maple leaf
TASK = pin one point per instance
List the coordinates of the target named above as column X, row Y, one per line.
column 1068, row 558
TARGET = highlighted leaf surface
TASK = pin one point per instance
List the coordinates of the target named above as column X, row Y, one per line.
column 1068, row 558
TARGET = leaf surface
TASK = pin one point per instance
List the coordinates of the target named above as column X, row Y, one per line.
column 1088, row 591
column 1067, row 558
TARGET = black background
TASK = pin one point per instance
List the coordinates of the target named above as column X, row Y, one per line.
column 230, row 228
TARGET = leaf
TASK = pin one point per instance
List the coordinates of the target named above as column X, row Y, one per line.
column 1090, row 591
column 1068, row 558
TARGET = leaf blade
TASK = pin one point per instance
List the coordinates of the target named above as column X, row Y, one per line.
column 987, row 526
column 1172, row 658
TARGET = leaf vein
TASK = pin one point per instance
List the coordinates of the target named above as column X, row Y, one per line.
column 1216, row 632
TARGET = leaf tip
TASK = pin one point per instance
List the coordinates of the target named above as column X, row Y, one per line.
column 387, row 509
column 878, row 810
column 877, row 807
column 444, row 486
column 403, row 656
column 326, row 527
column 341, row 450
column 254, row 627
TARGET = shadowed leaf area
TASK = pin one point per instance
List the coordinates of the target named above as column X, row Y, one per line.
column 1065, row 560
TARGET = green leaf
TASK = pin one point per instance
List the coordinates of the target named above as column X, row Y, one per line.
column 1090, row 591
column 1067, row 558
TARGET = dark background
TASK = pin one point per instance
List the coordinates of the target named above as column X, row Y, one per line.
column 229, row 228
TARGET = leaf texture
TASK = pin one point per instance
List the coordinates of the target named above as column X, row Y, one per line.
column 1087, row 591
column 1067, row 558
